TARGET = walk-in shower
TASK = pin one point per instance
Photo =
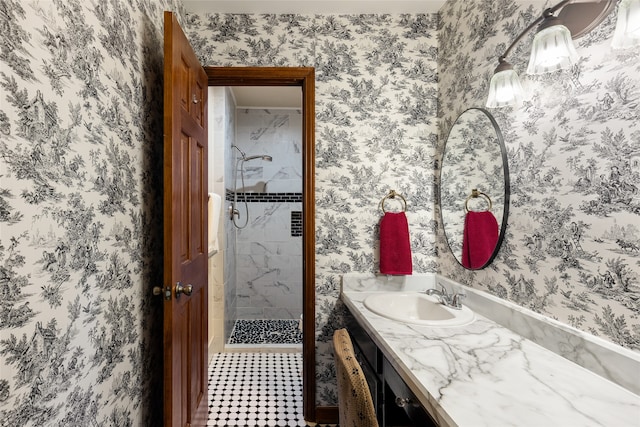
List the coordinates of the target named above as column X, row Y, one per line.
column 258, row 272
column 234, row 213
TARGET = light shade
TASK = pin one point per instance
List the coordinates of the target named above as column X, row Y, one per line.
column 505, row 88
column 627, row 32
column 552, row 48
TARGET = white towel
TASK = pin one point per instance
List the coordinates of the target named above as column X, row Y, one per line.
column 214, row 206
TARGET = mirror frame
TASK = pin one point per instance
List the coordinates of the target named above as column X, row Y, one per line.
column 507, row 187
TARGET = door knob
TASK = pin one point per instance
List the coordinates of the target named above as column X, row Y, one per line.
column 183, row 289
column 157, row 290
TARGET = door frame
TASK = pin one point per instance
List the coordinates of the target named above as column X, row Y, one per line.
column 305, row 78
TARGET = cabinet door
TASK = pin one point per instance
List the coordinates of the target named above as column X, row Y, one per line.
column 367, row 347
column 373, row 381
column 399, row 398
column 370, row 360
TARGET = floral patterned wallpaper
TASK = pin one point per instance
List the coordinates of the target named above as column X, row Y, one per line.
column 572, row 247
column 376, row 95
column 81, row 212
column 80, row 160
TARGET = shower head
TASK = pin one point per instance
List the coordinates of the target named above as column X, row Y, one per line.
column 245, row 158
column 259, row 156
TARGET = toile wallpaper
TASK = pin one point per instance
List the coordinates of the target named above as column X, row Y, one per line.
column 80, row 161
column 81, row 212
column 376, row 94
column 572, row 246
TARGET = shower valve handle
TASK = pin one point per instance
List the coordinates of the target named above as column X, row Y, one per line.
column 233, row 212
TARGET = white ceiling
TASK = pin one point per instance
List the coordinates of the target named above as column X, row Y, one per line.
column 313, row 6
column 268, row 96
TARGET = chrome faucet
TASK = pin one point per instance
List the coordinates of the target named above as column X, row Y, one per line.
column 455, row 300
column 442, row 294
column 446, row 298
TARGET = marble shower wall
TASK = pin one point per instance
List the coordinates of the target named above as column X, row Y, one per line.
column 376, row 98
column 81, row 212
column 572, row 247
column 269, row 249
column 277, row 133
column 222, row 265
column 230, row 244
column 225, row 138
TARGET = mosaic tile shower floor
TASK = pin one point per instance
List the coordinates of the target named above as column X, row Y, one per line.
column 256, row 390
column 254, row 331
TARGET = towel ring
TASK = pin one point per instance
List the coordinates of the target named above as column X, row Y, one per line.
column 474, row 195
column 392, row 194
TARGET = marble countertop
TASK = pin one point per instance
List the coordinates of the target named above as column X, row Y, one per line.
column 484, row 374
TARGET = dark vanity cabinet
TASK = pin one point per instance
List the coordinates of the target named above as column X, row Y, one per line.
column 394, row 402
column 370, row 358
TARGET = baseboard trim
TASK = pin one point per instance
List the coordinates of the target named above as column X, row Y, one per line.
column 327, row 414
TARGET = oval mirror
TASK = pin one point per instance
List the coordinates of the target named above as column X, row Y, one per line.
column 474, row 189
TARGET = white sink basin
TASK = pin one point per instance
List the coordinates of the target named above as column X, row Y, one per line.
column 417, row 308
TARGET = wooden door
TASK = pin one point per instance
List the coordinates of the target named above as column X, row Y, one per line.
column 185, row 233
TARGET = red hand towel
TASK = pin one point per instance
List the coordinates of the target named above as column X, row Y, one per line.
column 395, row 248
column 479, row 239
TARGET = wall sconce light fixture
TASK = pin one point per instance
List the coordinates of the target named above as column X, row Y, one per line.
column 505, row 88
column 627, row 32
column 553, row 47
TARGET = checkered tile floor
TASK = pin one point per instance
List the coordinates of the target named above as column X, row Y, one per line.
column 256, row 390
